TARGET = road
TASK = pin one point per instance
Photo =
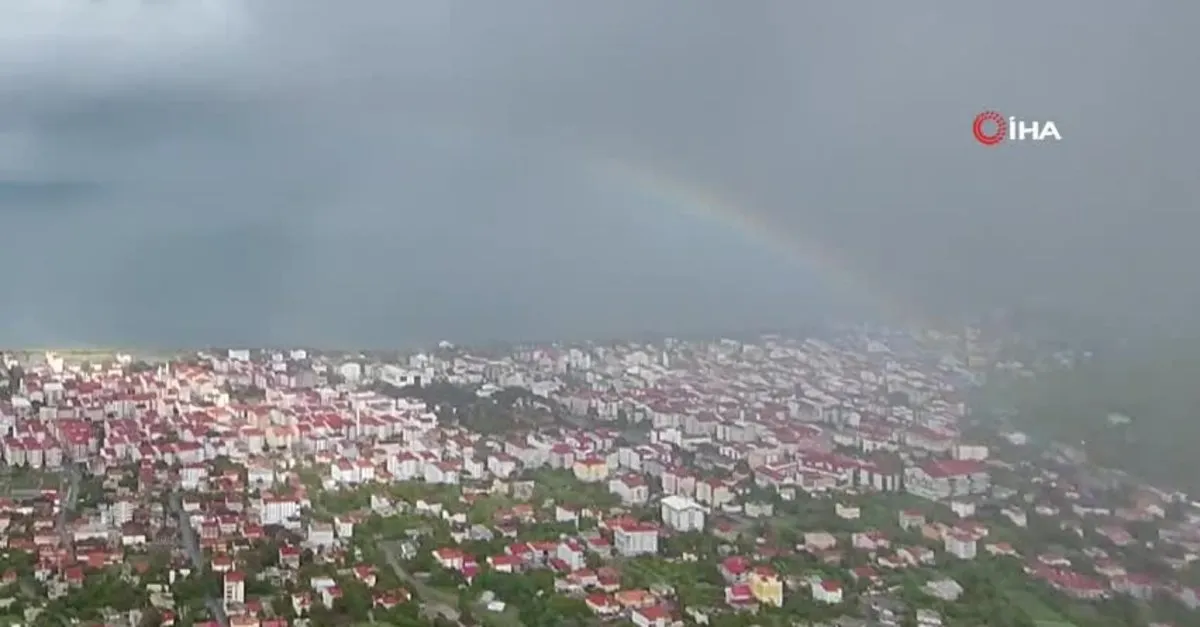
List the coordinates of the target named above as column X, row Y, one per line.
column 70, row 499
column 428, row 596
column 191, row 544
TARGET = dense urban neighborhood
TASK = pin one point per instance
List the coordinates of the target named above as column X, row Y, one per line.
column 852, row 480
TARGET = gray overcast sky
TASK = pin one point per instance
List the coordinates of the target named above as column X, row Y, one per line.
column 381, row 172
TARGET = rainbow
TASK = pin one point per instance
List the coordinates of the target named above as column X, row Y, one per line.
column 698, row 202
column 695, row 201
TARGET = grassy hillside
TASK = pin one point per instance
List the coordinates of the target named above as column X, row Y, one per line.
column 1156, row 384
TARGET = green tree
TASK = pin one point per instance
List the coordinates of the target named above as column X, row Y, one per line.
column 356, row 600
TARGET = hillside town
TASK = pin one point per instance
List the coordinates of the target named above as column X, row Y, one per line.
column 847, row 481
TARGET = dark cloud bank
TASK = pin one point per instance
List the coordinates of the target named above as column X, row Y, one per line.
column 225, row 171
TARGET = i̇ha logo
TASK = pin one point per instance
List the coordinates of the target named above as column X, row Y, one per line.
column 991, row 128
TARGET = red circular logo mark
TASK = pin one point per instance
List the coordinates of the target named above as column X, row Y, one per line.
column 997, row 135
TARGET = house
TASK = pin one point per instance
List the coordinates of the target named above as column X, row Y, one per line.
column 320, row 535
column 962, row 509
column 1017, row 516
column 74, row 576
column 365, row 574
column 602, row 604
column 631, row 538
column 234, row 588
column 910, row 519
column 572, row 553
column 590, row 469
column 564, row 514
column 739, row 595
column 766, row 586
column 847, row 512
column 944, row 589
column 631, row 488
column 734, row 569
column 1001, row 548
column 1117, row 535
column 599, row 545
column 1072, row 584
column 961, row 545
column 132, row 534
column 827, row 591
column 330, row 595
column 1136, row 585
column 915, row 555
column 817, row 541
column 582, row 579
column 865, row 574
column 713, row 492
column 682, row 514
column 1054, row 560
column 869, row 540
column 223, row 563
column 289, row 556
column 759, row 510
column 389, row 600
column 635, row 599
column 504, row 563
column 653, row 616
column 943, row 479
column 608, row 580
column 449, row 558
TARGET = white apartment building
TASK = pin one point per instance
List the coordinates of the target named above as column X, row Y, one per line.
column 278, row 510
column 632, row 539
column 631, row 488
column 235, row 588
column 682, row 514
column 948, row 478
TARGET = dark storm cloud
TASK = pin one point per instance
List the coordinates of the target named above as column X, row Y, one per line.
column 282, row 170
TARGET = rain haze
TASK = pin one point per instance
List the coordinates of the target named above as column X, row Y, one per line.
column 382, row 173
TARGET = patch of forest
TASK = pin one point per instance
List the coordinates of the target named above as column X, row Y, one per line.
column 507, row 409
column 1155, row 384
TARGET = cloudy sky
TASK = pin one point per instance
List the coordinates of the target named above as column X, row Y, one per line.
column 383, row 172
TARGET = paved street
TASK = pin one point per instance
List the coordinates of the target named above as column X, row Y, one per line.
column 191, row 544
column 434, row 600
column 71, row 479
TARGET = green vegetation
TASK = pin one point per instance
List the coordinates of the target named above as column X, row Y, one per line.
column 1042, row 614
column 698, row 584
column 246, row 394
column 328, row 503
column 191, row 591
column 507, row 409
column 563, row 488
column 530, row 597
column 15, row 480
column 1155, row 385
column 102, row 590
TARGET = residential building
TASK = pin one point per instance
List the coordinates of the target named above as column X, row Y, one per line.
column 961, row 545
column 235, row 588
column 827, row 591
column 634, row 538
column 948, row 478
column 682, row 514
column 767, row 586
